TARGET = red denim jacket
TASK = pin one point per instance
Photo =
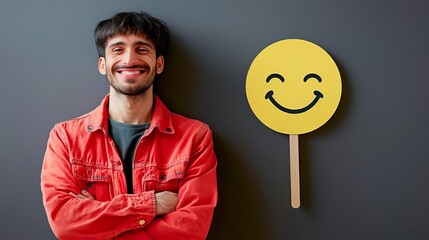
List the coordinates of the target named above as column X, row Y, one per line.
column 175, row 154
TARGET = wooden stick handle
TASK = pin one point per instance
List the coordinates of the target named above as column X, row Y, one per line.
column 294, row 170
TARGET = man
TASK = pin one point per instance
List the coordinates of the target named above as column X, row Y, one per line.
column 130, row 169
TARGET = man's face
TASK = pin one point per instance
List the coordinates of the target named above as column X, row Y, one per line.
column 130, row 64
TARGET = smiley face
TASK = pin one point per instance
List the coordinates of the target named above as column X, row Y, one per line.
column 293, row 86
column 270, row 94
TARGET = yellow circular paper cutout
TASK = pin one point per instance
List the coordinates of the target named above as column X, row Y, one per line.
column 293, row 86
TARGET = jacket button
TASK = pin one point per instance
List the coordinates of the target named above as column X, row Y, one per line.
column 163, row 177
column 142, row 222
column 168, row 129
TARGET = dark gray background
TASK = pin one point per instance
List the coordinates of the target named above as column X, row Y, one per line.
column 364, row 174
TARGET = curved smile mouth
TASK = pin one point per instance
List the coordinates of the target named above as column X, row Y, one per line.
column 270, row 94
column 130, row 72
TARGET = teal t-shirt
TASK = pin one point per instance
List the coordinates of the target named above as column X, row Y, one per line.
column 126, row 137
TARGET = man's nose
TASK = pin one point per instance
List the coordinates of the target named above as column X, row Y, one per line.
column 130, row 58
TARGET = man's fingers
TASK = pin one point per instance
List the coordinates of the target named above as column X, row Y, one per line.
column 80, row 196
column 85, row 195
column 74, row 195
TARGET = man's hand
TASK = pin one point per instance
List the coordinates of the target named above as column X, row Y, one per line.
column 166, row 202
column 85, row 195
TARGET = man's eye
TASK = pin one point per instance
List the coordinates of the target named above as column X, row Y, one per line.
column 116, row 50
column 141, row 50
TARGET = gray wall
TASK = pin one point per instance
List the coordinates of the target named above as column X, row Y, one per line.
column 363, row 174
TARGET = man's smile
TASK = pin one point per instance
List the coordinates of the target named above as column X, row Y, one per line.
column 269, row 96
column 130, row 72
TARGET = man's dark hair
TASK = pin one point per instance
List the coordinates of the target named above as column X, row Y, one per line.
column 138, row 23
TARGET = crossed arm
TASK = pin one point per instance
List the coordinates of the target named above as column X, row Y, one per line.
column 74, row 214
column 166, row 202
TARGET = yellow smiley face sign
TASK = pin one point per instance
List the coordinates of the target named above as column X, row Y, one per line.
column 293, row 86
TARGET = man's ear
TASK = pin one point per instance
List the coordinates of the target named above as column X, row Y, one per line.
column 160, row 64
column 102, row 65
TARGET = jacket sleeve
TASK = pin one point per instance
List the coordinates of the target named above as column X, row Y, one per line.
column 197, row 199
column 73, row 218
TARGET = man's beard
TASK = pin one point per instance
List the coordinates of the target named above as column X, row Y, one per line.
column 130, row 90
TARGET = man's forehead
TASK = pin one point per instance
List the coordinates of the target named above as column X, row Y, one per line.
column 129, row 39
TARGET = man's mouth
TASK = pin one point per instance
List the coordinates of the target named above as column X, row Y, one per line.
column 130, row 72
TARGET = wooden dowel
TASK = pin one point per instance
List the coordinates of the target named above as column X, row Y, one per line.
column 294, row 170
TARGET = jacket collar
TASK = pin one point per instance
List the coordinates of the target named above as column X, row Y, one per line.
column 161, row 117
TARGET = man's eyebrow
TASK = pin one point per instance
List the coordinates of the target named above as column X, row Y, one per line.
column 115, row 44
column 138, row 43
column 147, row 44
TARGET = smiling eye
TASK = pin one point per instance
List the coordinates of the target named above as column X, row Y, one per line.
column 116, row 50
column 142, row 50
column 275, row 75
column 312, row 75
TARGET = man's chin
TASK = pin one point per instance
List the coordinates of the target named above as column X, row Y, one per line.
column 133, row 92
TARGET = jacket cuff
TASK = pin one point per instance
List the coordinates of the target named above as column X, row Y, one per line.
column 145, row 207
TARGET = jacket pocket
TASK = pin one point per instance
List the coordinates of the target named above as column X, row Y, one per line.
column 163, row 179
column 96, row 180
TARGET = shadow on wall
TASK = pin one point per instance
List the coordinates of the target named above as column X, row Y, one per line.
column 305, row 139
column 240, row 213
column 176, row 85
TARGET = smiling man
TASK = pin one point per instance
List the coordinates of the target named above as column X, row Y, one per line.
column 130, row 169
